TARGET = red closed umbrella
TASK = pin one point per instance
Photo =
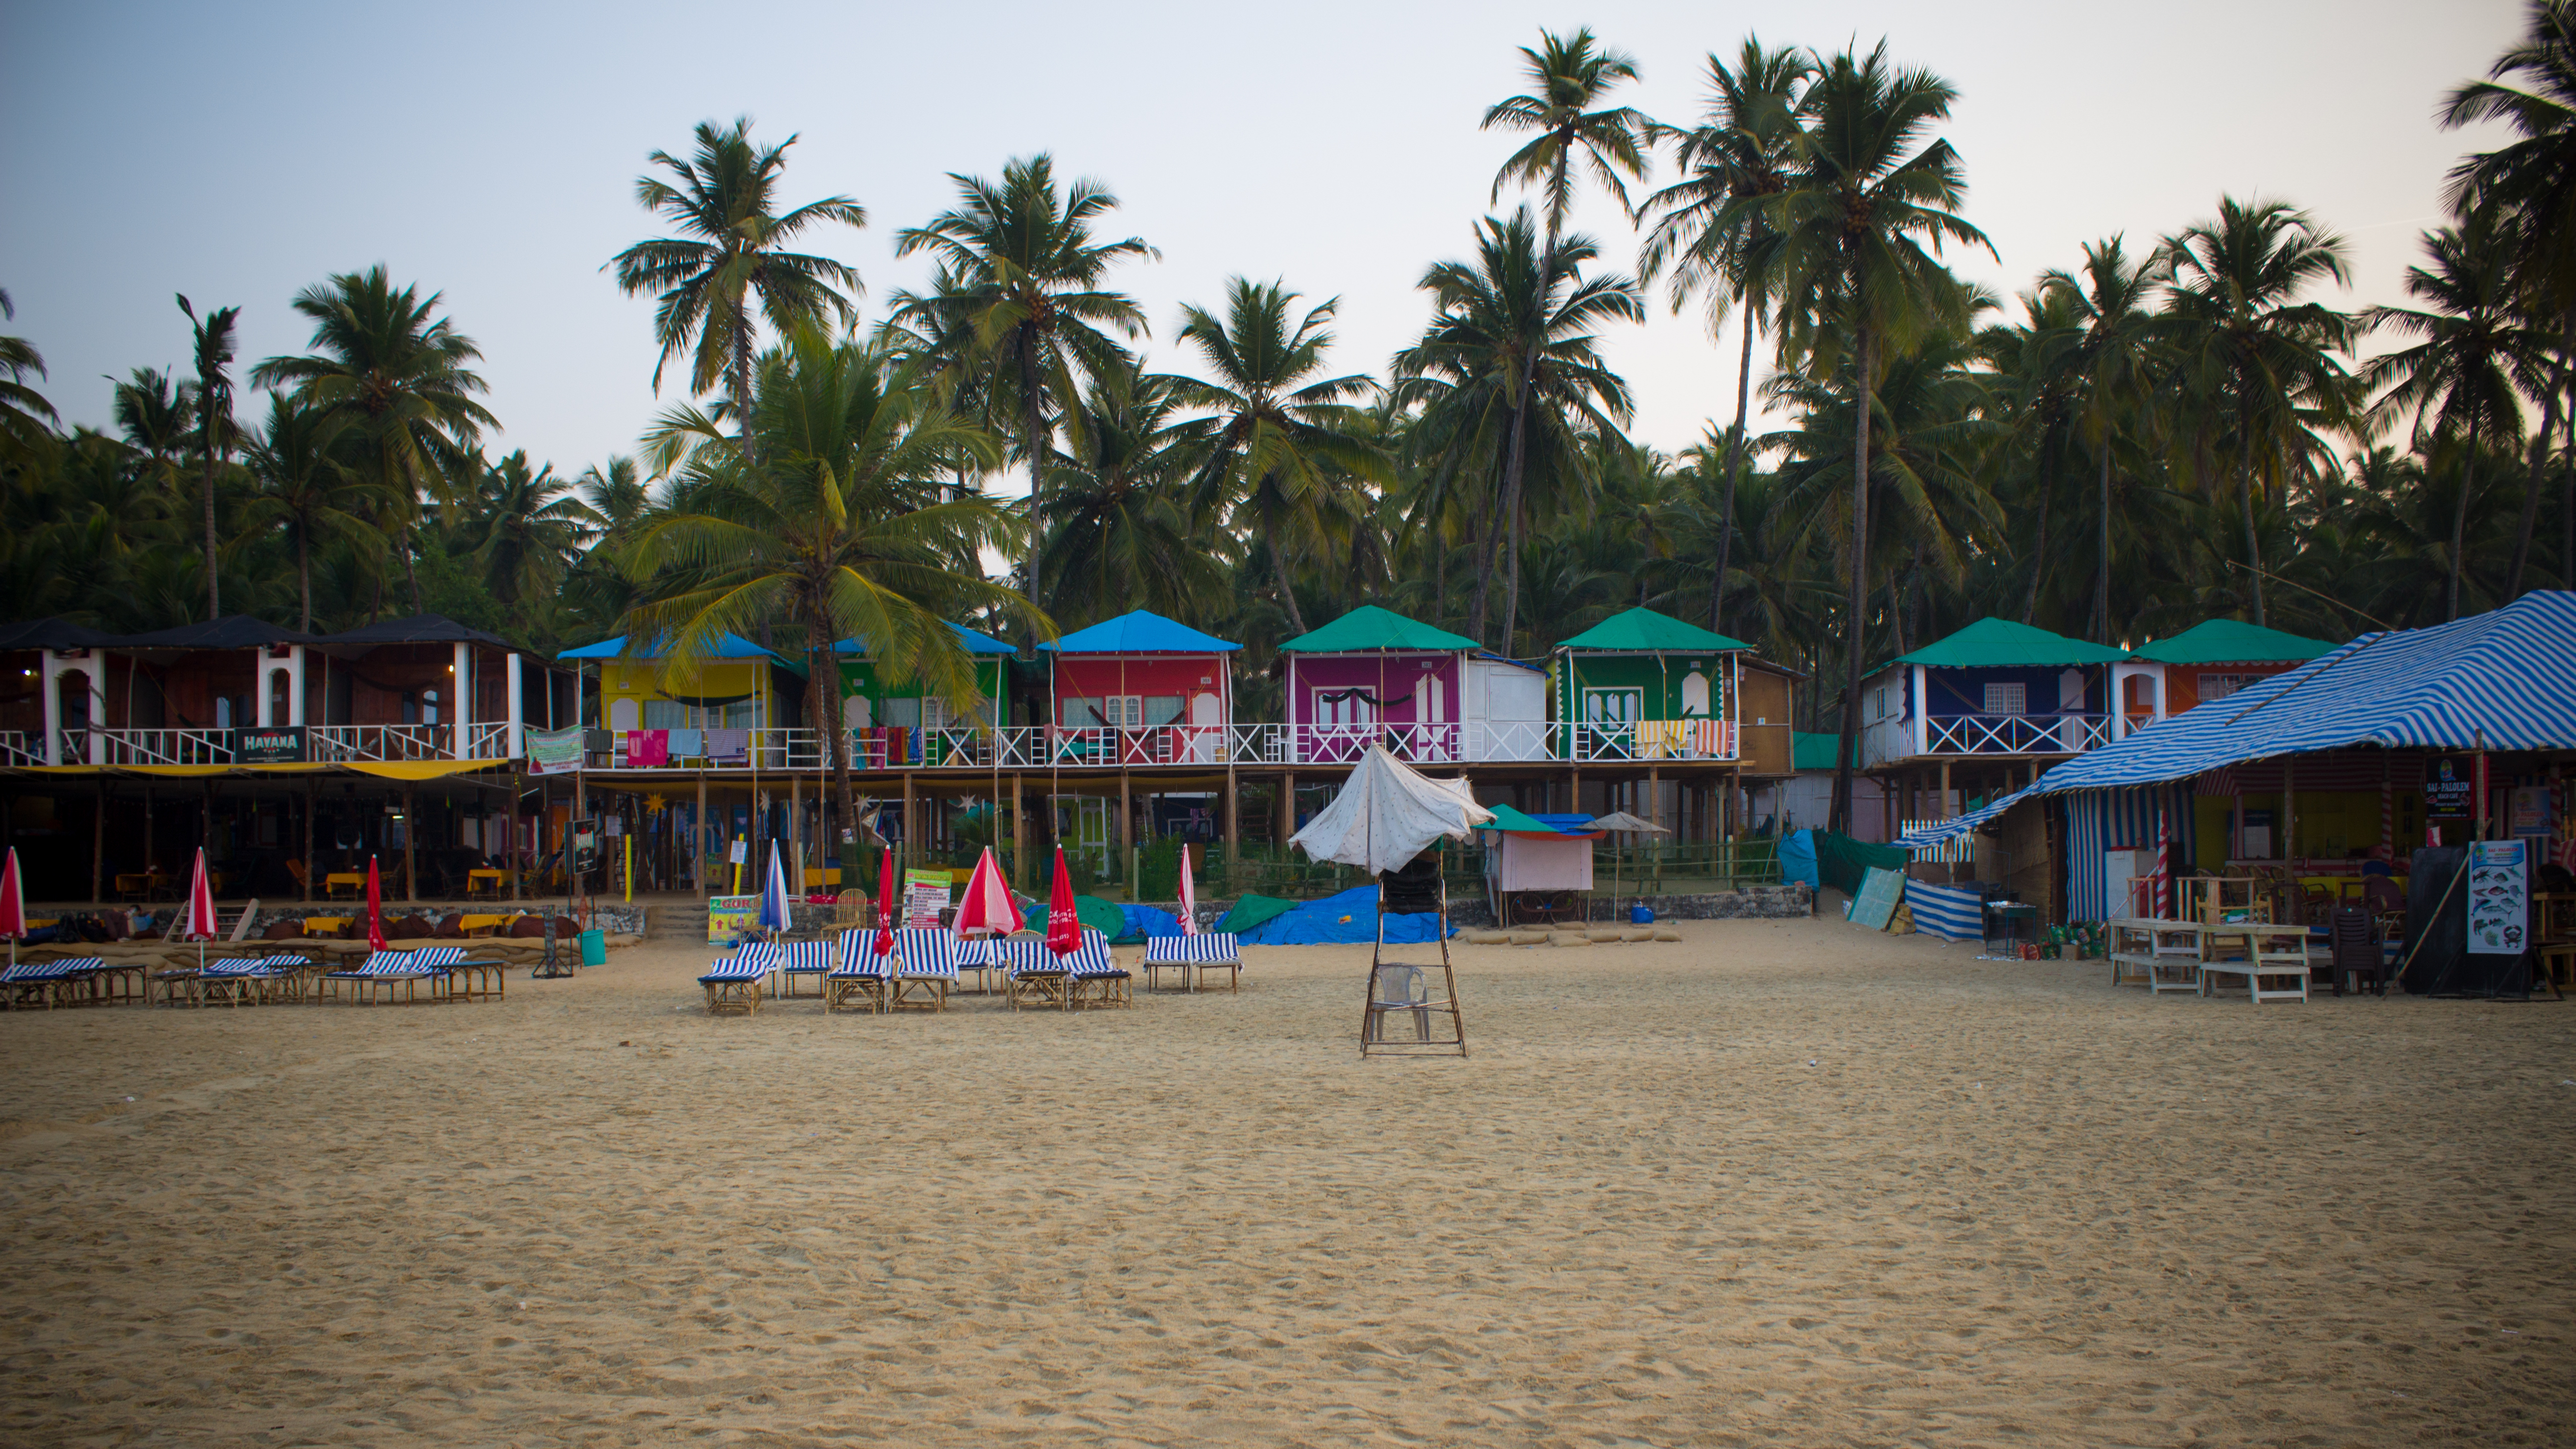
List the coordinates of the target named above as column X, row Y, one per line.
column 1189, row 897
column 200, row 919
column 988, row 908
column 13, row 905
column 375, row 908
column 1064, row 927
column 885, row 904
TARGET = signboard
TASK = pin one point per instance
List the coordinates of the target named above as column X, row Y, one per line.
column 2499, row 897
column 2531, row 813
column 925, row 895
column 1880, row 890
column 585, row 846
column 2450, row 787
column 739, row 853
column 554, row 752
column 283, row 745
column 731, row 916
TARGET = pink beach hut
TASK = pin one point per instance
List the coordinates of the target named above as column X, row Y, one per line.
column 1372, row 675
column 1140, row 689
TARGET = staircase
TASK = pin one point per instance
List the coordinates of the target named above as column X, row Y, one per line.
column 676, row 918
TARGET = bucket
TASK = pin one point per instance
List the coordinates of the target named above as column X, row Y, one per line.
column 1641, row 915
column 594, row 948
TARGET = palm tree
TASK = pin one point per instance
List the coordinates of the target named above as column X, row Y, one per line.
column 152, row 410
column 1860, row 206
column 1568, row 80
column 1119, row 533
column 533, row 526
column 833, row 524
column 25, row 416
column 1510, row 344
column 309, row 480
column 2255, row 363
column 723, row 201
column 216, row 433
column 2459, row 381
column 2108, row 301
column 385, row 364
column 1018, row 304
column 1283, row 438
column 1741, row 150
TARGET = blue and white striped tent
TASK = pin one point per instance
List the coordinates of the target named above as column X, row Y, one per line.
column 2504, row 680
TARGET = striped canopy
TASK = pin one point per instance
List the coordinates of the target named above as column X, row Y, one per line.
column 2504, row 680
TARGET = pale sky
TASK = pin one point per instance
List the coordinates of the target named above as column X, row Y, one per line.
column 239, row 154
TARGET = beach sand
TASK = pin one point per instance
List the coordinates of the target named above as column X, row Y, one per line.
column 1782, row 1182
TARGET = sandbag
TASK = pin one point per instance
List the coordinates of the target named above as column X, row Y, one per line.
column 1529, row 938
column 1666, row 933
column 1568, row 938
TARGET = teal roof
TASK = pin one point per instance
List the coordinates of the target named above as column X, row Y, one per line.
column 967, row 639
column 1369, row 627
column 1808, row 751
column 1512, row 822
column 1139, row 632
column 1993, row 643
column 1644, row 631
column 2233, row 641
column 731, row 646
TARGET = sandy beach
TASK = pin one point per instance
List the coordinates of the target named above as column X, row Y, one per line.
column 1785, row 1183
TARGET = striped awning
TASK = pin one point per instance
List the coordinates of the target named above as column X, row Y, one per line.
column 2504, row 680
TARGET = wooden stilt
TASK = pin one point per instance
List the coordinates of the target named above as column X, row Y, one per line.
column 1122, row 831
column 1233, row 819
column 1286, row 824
column 911, row 829
column 698, row 840
column 411, row 842
column 98, row 849
column 510, row 859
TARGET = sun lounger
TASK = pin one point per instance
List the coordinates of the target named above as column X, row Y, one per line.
column 388, row 969
column 984, row 956
column 860, row 974
column 244, row 978
column 733, row 984
column 925, row 967
column 46, row 983
column 802, row 958
column 1097, row 975
column 1032, row 973
column 1195, row 956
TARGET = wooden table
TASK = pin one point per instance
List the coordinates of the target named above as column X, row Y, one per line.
column 2158, row 955
column 486, row 881
column 355, row 880
column 2256, row 950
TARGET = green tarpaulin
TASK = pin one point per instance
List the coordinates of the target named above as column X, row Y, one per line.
column 1644, row 631
column 1251, row 910
column 1841, row 861
column 1370, row 627
column 1099, row 915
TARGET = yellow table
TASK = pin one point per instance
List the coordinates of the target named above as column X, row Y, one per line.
column 486, row 881
column 355, row 880
column 481, row 925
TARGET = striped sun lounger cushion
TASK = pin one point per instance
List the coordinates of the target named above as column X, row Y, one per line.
column 744, row 967
column 439, row 955
column 924, row 952
column 768, row 953
column 806, row 958
column 64, row 969
column 255, row 966
column 859, row 955
column 1207, row 947
column 386, row 963
column 1091, row 958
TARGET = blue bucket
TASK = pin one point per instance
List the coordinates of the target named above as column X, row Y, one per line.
column 1641, row 915
column 594, row 948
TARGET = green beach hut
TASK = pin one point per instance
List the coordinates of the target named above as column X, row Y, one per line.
column 895, row 720
column 1645, row 685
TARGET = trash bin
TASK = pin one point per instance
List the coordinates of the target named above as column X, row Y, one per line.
column 1641, row 915
column 594, row 948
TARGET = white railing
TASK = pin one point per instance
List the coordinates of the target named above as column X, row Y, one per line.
column 487, row 740
column 25, row 747
column 161, row 747
column 342, row 744
column 1959, row 847
column 1654, row 739
column 1038, row 747
column 2015, row 734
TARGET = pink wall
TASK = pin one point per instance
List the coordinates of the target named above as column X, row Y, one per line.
column 1389, row 676
column 1095, row 675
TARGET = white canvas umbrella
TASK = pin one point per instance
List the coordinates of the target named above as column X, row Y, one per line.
column 1388, row 813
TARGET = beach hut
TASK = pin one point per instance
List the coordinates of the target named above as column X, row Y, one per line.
column 2210, row 660
column 1642, row 685
column 1526, row 854
column 1993, row 691
column 715, row 699
column 1139, row 689
column 1372, row 675
column 895, row 719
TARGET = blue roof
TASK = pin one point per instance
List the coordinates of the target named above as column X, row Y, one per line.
column 1140, row 632
column 2504, row 680
column 733, row 646
column 968, row 639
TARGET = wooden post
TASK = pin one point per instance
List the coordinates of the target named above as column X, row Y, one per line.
column 1286, row 823
column 510, row 842
column 1942, row 810
column 796, row 829
column 1233, row 819
column 1019, row 835
column 411, row 843
column 911, row 830
column 1573, row 791
column 2290, row 818
column 97, row 848
column 698, row 840
column 1655, row 813
column 1123, row 832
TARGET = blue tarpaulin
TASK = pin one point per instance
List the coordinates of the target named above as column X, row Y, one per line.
column 1345, row 919
column 1144, row 921
column 1798, row 857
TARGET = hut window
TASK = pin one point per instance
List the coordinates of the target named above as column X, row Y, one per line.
column 665, row 714
column 2219, row 686
column 2007, row 699
column 1162, row 709
column 904, row 713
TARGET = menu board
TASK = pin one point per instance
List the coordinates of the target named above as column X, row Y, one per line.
column 2499, row 897
column 730, row 916
column 2450, row 787
column 925, row 895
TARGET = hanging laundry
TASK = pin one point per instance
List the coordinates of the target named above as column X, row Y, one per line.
column 729, row 747
column 688, row 744
column 648, row 749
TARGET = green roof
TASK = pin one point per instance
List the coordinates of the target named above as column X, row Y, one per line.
column 1991, row 643
column 1814, row 751
column 1644, row 631
column 1513, row 822
column 1370, row 627
column 2233, row 641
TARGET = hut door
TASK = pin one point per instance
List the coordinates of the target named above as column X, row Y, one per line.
column 1091, row 831
column 1694, row 695
column 1612, row 706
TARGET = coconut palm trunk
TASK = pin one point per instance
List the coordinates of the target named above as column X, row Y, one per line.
column 1846, row 755
column 1032, row 431
column 2102, row 581
column 2253, row 545
column 2460, row 520
column 1734, row 463
column 2549, row 399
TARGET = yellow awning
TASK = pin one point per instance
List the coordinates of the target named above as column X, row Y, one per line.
column 423, row 769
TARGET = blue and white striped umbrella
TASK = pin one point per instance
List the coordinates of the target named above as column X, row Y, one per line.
column 774, row 912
